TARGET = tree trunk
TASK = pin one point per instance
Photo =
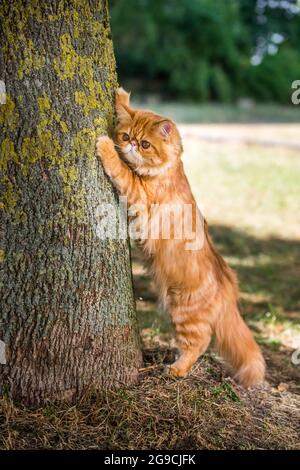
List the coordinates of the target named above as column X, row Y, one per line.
column 67, row 317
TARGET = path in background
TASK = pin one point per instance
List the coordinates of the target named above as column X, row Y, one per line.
column 269, row 135
column 195, row 113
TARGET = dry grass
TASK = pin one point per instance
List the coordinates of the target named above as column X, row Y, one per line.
column 205, row 411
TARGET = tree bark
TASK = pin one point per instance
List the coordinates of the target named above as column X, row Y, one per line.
column 67, row 316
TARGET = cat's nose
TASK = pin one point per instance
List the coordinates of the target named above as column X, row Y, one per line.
column 134, row 143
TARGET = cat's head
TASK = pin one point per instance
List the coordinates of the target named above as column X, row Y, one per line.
column 150, row 143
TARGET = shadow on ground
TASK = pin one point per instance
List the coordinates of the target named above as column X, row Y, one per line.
column 268, row 268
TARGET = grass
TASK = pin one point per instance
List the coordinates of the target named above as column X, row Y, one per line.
column 251, row 198
column 246, row 187
column 205, row 411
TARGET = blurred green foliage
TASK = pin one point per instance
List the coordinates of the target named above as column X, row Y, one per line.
column 209, row 50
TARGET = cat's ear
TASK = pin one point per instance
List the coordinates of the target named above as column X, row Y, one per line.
column 165, row 127
column 122, row 97
column 124, row 112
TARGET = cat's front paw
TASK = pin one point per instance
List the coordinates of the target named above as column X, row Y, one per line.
column 104, row 146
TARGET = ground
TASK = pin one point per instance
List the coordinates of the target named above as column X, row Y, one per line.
column 246, row 178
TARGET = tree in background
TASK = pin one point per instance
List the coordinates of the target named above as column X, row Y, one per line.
column 207, row 50
column 67, row 317
column 274, row 28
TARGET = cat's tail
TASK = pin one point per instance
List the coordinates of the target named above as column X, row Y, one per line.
column 236, row 344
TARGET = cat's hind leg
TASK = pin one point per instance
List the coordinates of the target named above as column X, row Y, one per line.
column 193, row 336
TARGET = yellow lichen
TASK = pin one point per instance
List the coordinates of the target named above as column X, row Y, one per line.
column 2, row 256
column 66, row 64
column 64, row 127
column 32, row 59
column 69, row 63
column 45, row 144
column 8, row 153
column 43, row 103
column 84, row 142
column 80, row 97
column 100, row 125
column 87, row 102
column 29, row 150
column 69, row 174
column 9, row 116
column 8, row 198
column 80, row 16
column 15, row 16
column 75, row 208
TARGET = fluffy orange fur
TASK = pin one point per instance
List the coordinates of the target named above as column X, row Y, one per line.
column 197, row 287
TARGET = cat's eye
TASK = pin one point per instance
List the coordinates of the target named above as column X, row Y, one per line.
column 125, row 137
column 145, row 144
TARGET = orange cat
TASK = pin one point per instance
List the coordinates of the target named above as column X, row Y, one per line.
column 196, row 286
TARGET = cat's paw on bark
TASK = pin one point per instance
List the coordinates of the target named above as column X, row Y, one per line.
column 104, row 146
